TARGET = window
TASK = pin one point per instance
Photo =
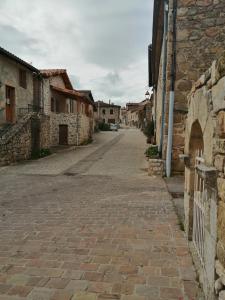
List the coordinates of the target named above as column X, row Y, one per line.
column 71, row 106
column 103, row 111
column 23, row 78
column 112, row 121
column 111, row 111
column 52, row 104
column 57, row 106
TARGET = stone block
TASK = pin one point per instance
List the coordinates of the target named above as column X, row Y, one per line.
column 221, row 124
column 156, row 167
column 221, row 222
column 222, row 295
column 221, row 188
column 219, row 162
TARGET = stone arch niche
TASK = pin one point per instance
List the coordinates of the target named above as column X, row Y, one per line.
column 196, row 146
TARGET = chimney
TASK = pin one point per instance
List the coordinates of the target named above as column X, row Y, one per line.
column 109, row 102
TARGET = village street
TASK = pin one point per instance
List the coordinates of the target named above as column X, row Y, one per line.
column 90, row 224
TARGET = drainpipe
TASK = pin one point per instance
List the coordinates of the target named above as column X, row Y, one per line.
column 165, row 30
column 171, row 103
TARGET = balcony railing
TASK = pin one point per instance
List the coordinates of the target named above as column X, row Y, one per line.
column 29, row 109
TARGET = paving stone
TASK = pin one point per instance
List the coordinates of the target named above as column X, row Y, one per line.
column 145, row 290
column 21, row 291
column 57, row 283
column 77, row 285
column 170, row 293
column 41, row 294
column 62, row 295
column 4, row 288
column 85, row 296
column 18, row 279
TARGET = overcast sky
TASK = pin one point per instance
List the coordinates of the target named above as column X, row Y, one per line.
column 102, row 43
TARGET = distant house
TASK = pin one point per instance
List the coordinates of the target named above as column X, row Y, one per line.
column 20, row 87
column 70, row 111
column 108, row 112
column 139, row 114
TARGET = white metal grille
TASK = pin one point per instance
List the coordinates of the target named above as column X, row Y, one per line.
column 199, row 211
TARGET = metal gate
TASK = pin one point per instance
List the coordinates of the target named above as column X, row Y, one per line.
column 199, row 211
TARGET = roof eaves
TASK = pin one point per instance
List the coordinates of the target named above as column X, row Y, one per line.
column 18, row 60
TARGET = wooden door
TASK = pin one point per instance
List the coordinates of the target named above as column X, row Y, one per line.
column 10, row 104
column 63, row 134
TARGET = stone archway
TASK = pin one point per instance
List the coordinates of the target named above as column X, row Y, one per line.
column 196, row 146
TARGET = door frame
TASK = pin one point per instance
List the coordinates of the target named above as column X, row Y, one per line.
column 10, row 108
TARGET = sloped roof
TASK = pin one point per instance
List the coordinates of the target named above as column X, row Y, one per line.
column 55, row 72
column 18, row 60
column 88, row 93
column 73, row 94
column 103, row 104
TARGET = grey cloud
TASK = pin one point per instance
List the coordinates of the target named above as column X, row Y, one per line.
column 111, row 85
column 18, row 42
column 75, row 81
column 115, row 37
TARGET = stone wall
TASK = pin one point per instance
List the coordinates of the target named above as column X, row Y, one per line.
column 80, row 128
column 200, row 39
column 16, row 143
column 71, row 120
column 207, row 109
column 85, row 128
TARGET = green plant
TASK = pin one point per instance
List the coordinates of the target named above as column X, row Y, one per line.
column 104, row 126
column 86, row 142
column 149, row 129
column 152, row 151
column 40, row 153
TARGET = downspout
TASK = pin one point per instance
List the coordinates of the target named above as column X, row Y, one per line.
column 171, row 102
column 165, row 35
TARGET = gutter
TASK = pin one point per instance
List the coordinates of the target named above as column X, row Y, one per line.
column 164, row 67
column 171, row 102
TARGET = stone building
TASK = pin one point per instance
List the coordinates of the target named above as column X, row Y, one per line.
column 123, row 116
column 23, row 127
column 71, row 112
column 204, row 159
column 139, row 114
column 20, row 86
column 187, row 36
column 107, row 112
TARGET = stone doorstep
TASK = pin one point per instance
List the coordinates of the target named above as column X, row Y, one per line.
column 155, row 167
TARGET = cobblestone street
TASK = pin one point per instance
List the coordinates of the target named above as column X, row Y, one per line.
column 90, row 224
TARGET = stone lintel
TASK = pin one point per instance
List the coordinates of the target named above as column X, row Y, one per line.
column 209, row 174
column 186, row 159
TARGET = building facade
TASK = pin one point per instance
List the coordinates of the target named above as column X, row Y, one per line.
column 20, row 87
column 71, row 112
column 108, row 112
column 187, row 36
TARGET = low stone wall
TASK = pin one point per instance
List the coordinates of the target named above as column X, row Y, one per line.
column 45, row 132
column 16, row 143
column 155, row 167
